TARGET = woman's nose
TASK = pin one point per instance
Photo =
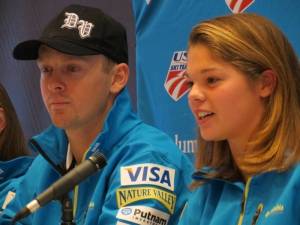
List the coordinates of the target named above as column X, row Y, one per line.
column 196, row 94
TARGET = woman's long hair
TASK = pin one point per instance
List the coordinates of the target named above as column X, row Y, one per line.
column 12, row 140
column 253, row 45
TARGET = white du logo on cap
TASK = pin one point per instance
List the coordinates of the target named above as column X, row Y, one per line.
column 72, row 21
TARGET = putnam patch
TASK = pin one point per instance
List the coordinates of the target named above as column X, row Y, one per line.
column 143, row 215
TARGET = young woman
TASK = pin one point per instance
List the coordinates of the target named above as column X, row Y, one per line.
column 14, row 159
column 245, row 96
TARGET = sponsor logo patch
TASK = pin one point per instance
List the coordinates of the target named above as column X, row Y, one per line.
column 176, row 84
column 125, row 196
column 238, row 6
column 143, row 215
column 148, row 173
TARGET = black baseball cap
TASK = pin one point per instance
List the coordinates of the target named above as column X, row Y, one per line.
column 79, row 30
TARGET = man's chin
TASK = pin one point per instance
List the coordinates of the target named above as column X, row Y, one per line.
column 63, row 124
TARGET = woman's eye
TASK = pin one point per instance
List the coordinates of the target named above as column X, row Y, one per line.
column 188, row 80
column 212, row 80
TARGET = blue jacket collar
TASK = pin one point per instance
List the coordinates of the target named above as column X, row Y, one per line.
column 202, row 176
column 116, row 124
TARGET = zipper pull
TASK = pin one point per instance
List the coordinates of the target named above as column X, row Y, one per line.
column 257, row 213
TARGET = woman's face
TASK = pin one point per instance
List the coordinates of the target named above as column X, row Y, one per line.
column 225, row 103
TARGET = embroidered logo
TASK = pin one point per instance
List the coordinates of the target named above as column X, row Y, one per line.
column 279, row 208
column 176, row 84
column 72, row 21
column 126, row 196
column 148, row 173
column 238, row 6
column 143, row 215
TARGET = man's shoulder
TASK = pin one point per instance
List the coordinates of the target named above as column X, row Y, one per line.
column 153, row 136
column 153, row 143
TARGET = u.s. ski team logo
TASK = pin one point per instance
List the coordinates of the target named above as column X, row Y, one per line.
column 176, row 84
column 238, row 6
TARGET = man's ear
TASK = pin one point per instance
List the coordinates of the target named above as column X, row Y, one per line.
column 119, row 77
column 2, row 119
column 267, row 83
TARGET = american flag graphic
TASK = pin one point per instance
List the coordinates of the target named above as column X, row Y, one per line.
column 176, row 84
column 238, row 6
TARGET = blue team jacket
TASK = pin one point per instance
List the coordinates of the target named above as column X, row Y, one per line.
column 145, row 180
column 10, row 174
column 271, row 198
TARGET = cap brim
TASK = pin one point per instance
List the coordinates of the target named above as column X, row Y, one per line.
column 29, row 50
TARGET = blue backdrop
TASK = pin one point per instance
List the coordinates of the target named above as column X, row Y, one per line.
column 162, row 29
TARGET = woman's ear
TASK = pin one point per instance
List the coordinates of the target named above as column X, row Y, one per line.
column 2, row 119
column 119, row 77
column 267, row 83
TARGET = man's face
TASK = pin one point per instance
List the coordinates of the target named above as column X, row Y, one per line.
column 75, row 89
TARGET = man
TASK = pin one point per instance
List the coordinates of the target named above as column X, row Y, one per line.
column 82, row 57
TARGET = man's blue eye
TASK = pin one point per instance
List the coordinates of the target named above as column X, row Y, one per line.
column 73, row 68
column 45, row 70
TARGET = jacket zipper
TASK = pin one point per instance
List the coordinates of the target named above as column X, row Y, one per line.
column 76, row 193
column 244, row 201
column 258, row 211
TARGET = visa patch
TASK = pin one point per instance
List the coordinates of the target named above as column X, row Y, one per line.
column 148, row 173
column 143, row 215
column 176, row 84
column 126, row 196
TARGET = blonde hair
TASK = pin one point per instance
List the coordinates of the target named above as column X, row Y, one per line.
column 253, row 45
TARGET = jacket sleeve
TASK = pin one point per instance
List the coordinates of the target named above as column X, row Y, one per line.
column 25, row 192
column 147, row 189
column 12, row 208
